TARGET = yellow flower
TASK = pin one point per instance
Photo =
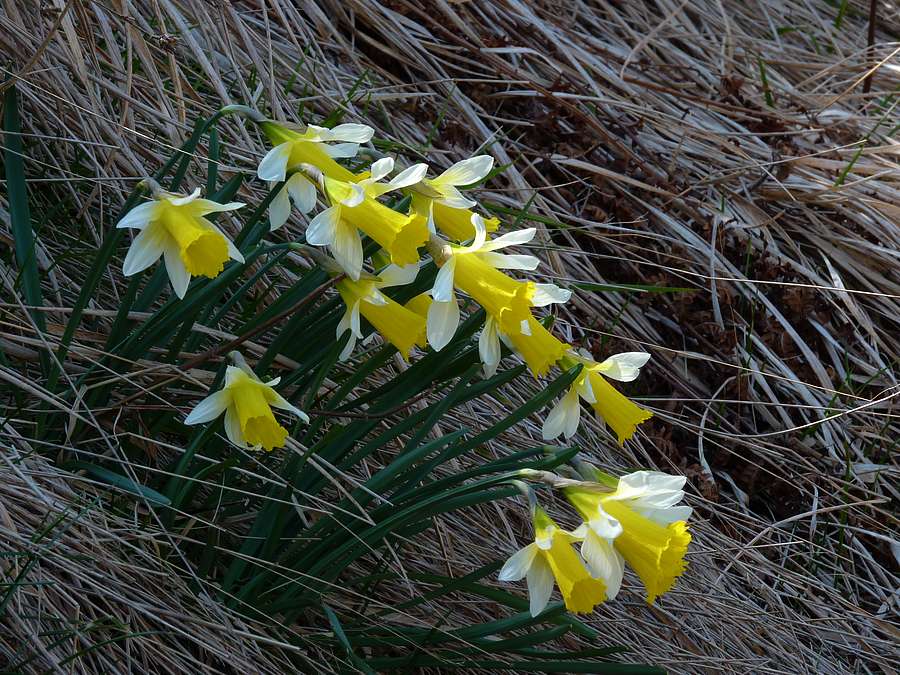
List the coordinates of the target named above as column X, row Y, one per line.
column 174, row 226
column 401, row 326
column 294, row 146
column 309, row 145
column 640, row 523
column 475, row 270
column 247, row 403
column 420, row 304
column 537, row 346
column 619, row 412
column 351, row 210
column 455, row 223
column 550, row 557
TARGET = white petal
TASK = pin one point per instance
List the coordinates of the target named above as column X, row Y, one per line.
column 441, row 323
column 518, row 564
column 344, row 324
column 209, row 408
column 321, row 229
column 341, row 150
column 442, row 291
column 653, row 481
column 376, row 297
column 454, row 200
column 145, row 250
column 409, row 176
column 348, row 348
column 502, row 261
column 233, row 428
column 182, row 200
column 624, row 367
column 207, row 206
column 555, row 422
column 547, row 294
column 140, row 216
column 467, row 171
column 489, row 346
column 347, row 249
column 356, row 133
column 604, row 562
column 667, row 515
column 480, row 232
column 540, row 585
column 381, row 168
column 281, row 403
column 279, row 209
column 355, row 197
column 604, row 525
column 302, row 191
column 274, row 165
column 354, row 320
column 178, row 273
column 516, row 238
column 572, row 413
column 394, row 275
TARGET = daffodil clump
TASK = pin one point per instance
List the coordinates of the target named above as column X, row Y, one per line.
column 635, row 520
column 411, row 218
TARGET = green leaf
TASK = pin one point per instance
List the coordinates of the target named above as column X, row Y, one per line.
column 119, row 481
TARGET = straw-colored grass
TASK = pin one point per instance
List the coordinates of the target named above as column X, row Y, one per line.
column 735, row 158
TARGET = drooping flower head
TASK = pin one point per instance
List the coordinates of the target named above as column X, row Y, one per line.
column 552, row 556
column 402, row 326
column 475, row 270
column 352, row 209
column 312, row 145
column 247, row 403
column 443, row 191
column 174, row 226
column 638, row 521
column 620, row 413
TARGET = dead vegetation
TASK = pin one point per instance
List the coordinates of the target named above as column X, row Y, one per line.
column 728, row 157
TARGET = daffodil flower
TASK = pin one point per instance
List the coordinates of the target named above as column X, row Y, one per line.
column 174, row 226
column 475, row 270
column 640, row 523
column 309, row 145
column 440, row 202
column 550, row 557
column 619, row 412
column 247, row 403
column 353, row 209
column 444, row 189
column 402, row 327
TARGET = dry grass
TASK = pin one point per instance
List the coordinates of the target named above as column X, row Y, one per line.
column 725, row 147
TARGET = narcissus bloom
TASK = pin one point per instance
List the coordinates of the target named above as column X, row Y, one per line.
column 639, row 523
column 537, row 346
column 247, row 403
column 351, row 210
column 401, row 326
column 550, row 557
column 619, row 412
column 444, row 189
column 174, row 226
column 309, row 145
column 475, row 270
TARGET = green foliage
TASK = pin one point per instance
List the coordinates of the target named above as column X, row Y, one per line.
column 315, row 532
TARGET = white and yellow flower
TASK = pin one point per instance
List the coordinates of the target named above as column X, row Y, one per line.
column 619, row 412
column 247, row 403
column 638, row 522
column 353, row 209
column 174, row 226
column 402, row 326
column 552, row 556
column 534, row 344
column 310, row 145
column 475, row 270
